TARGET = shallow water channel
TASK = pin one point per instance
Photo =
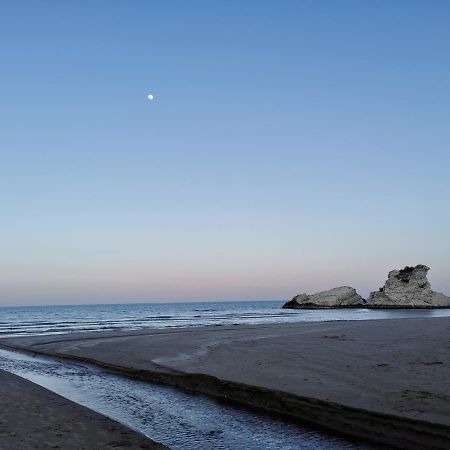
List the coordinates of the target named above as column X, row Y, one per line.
column 175, row 418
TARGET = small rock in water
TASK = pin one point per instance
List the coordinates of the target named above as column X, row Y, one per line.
column 340, row 297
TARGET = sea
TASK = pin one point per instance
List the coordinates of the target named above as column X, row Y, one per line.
column 36, row 320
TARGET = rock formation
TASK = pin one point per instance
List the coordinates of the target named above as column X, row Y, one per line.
column 340, row 297
column 407, row 288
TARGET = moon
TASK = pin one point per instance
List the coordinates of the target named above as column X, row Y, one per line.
column 150, row 97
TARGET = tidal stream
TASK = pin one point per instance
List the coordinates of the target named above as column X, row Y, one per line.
column 180, row 420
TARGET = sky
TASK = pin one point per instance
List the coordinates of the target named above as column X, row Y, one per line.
column 292, row 146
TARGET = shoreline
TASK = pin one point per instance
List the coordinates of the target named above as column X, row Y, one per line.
column 200, row 362
column 35, row 417
column 353, row 422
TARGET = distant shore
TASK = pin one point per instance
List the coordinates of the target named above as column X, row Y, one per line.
column 32, row 417
column 385, row 380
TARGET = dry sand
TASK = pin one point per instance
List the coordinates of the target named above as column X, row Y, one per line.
column 388, row 380
column 32, row 417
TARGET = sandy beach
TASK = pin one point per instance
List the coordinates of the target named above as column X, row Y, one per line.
column 386, row 380
column 32, row 417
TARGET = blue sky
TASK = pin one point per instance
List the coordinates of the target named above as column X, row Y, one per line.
column 291, row 146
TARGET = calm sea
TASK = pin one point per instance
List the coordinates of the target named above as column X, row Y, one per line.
column 71, row 318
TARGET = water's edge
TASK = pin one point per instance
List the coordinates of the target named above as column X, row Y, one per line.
column 29, row 321
column 180, row 419
column 377, row 427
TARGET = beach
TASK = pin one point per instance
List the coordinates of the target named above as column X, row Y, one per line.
column 384, row 380
column 33, row 417
column 224, row 225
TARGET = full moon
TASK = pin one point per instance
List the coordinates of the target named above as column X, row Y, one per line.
column 150, row 97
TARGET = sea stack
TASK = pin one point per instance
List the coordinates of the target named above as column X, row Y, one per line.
column 340, row 297
column 408, row 288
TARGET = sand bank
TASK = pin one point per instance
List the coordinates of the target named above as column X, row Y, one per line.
column 386, row 380
column 32, row 417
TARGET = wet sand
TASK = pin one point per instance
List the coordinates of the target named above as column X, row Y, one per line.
column 32, row 417
column 386, row 380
